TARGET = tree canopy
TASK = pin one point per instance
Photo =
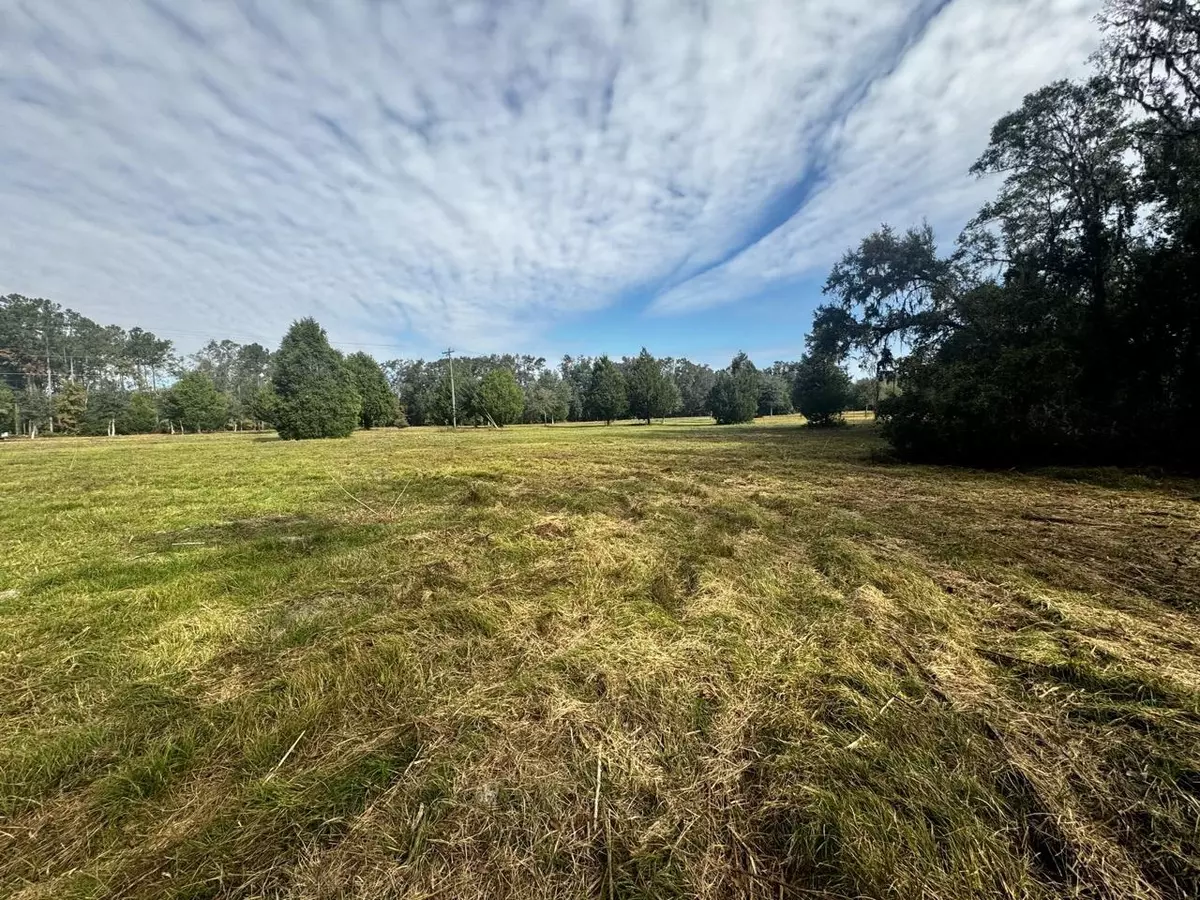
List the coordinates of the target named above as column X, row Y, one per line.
column 8, row 405
column 822, row 390
column 499, row 398
column 695, row 383
column 378, row 404
column 735, row 392
column 774, row 395
column 195, row 404
column 315, row 388
column 1065, row 323
column 651, row 390
column 607, row 397
column 550, row 399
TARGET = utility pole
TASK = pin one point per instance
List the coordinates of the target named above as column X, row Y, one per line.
column 449, row 354
column 49, row 373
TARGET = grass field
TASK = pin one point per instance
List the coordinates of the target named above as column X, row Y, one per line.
column 666, row 661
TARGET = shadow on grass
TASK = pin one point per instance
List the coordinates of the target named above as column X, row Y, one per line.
column 236, row 547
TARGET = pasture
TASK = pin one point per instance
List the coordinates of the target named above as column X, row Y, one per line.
column 584, row 661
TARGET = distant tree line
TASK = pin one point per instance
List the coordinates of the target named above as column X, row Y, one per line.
column 62, row 373
column 1065, row 323
column 600, row 389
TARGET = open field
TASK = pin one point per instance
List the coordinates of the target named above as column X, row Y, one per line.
column 666, row 661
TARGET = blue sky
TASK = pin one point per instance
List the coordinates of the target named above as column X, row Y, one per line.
column 540, row 177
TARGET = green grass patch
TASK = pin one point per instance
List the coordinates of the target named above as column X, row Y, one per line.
column 655, row 662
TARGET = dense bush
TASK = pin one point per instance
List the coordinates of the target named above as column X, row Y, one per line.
column 140, row 415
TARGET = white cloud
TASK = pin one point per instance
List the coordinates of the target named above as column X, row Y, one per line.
column 411, row 172
column 903, row 152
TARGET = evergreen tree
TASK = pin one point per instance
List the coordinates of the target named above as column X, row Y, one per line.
column 551, row 399
column 35, row 408
column 774, row 395
column 1065, row 327
column 822, row 390
column 378, row 402
column 140, row 415
column 695, row 382
column 607, row 398
column 8, row 407
column 196, row 404
column 499, row 398
column 652, row 392
column 105, row 410
column 734, row 396
column 70, row 406
column 577, row 374
column 316, row 393
column 263, row 405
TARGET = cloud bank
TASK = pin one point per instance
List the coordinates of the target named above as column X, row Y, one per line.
column 420, row 172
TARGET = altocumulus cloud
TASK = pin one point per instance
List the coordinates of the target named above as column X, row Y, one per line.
column 407, row 171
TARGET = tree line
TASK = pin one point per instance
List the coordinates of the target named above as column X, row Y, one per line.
column 62, row 373
column 1064, row 325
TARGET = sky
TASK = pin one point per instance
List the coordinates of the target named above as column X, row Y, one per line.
column 562, row 176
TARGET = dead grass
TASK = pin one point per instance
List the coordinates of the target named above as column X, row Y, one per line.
column 666, row 661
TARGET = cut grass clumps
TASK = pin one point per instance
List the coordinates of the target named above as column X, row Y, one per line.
column 658, row 662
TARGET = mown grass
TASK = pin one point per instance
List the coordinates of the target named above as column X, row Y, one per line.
column 666, row 661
